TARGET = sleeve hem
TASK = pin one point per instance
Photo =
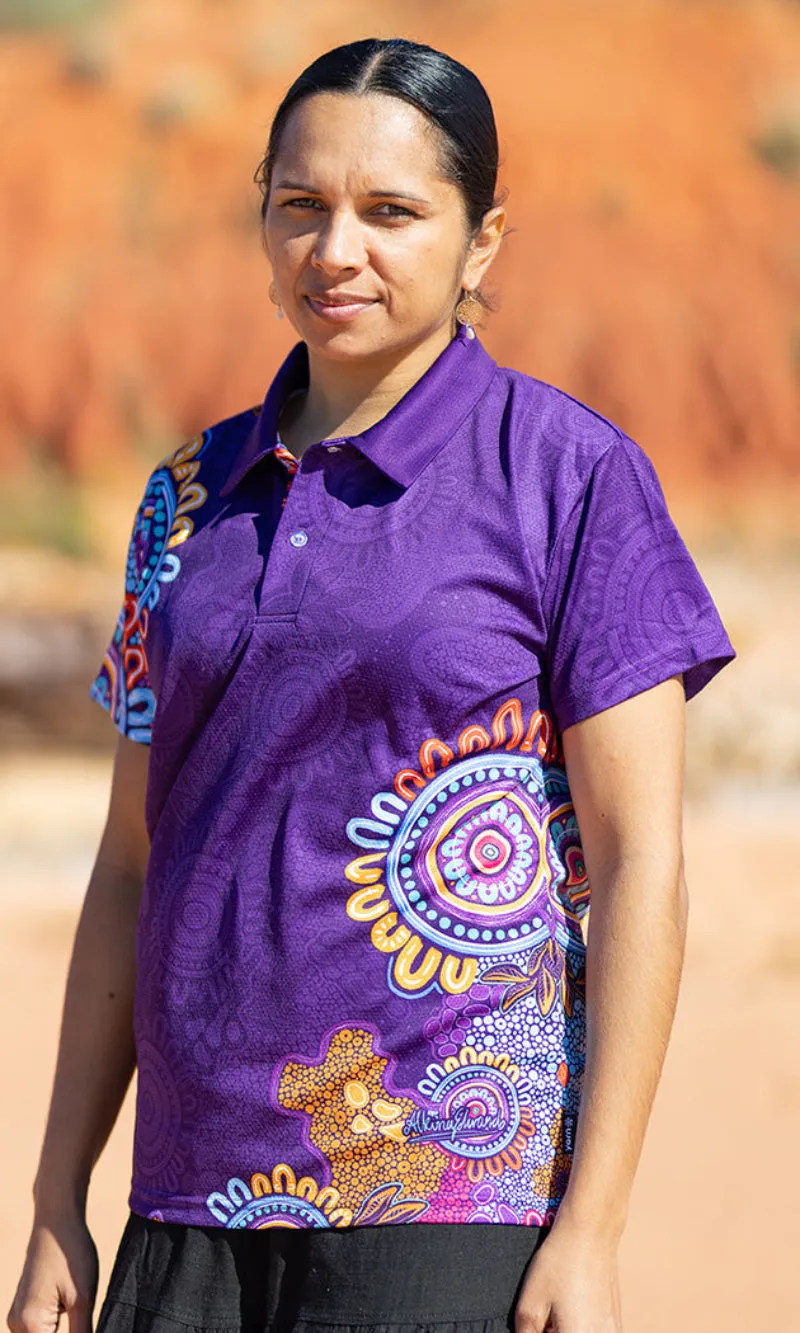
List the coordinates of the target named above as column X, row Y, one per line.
column 141, row 734
column 697, row 668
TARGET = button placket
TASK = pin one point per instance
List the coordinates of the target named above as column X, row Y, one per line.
column 294, row 546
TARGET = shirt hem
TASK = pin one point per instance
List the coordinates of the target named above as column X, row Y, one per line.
column 195, row 1215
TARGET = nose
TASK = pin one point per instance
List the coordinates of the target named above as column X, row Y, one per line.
column 339, row 244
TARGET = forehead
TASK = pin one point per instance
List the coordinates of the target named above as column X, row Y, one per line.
column 371, row 141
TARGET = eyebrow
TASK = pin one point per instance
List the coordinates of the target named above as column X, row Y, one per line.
column 371, row 194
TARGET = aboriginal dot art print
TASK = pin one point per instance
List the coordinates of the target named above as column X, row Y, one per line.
column 362, row 943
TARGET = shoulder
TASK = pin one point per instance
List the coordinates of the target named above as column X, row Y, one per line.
column 550, row 423
column 181, row 493
column 213, row 449
column 560, row 445
column 193, row 473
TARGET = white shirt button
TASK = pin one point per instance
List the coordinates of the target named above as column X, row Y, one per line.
column 299, row 538
column 334, row 449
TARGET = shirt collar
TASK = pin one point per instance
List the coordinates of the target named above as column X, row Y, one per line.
column 403, row 442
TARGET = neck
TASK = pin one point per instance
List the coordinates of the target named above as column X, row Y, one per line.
column 346, row 399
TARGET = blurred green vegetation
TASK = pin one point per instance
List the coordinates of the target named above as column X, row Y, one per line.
column 45, row 509
column 778, row 146
column 22, row 14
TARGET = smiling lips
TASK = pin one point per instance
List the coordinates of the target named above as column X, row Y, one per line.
column 340, row 307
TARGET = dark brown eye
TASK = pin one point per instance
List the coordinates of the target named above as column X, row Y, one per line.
column 393, row 211
column 304, row 202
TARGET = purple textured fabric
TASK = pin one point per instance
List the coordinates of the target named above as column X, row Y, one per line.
column 361, row 946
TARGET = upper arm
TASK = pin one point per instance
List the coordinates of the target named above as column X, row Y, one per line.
column 125, row 844
column 625, row 771
column 632, row 633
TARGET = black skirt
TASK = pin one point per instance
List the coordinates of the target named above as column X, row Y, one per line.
column 457, row 1278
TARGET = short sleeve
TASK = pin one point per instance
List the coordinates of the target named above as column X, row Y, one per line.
column 625, row 605
column 122, row 685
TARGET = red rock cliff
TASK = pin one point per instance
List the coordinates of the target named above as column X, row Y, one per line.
column 651, row 150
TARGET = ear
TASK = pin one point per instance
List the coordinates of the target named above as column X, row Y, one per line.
column 484, row 247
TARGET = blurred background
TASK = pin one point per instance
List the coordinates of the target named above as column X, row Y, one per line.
column 651, row 149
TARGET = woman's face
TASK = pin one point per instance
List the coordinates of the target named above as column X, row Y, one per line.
column 369, row 244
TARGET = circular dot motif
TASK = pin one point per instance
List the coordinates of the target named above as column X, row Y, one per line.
column 473, row 857
column 304, row 709
column 480, row 1110
column 280, row 1210
column 489, row 851
column 159, row 1113
column 195, row 916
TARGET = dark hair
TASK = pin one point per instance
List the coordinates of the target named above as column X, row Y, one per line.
column 449, row 94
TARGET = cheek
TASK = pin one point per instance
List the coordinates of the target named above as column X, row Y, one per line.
column 290, row 254
column 424, row 271
column 287, row 247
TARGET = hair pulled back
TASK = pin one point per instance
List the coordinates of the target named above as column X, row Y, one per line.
column 449, row 94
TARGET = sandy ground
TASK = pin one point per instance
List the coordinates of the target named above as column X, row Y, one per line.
column 712, row 1239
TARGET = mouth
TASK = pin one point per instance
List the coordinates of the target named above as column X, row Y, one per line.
column 339, row 307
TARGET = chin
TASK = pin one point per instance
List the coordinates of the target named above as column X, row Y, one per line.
column 351, row 343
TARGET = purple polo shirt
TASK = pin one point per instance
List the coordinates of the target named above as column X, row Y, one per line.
column 361, row 985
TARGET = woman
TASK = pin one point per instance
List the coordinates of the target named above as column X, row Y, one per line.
column 410, row 625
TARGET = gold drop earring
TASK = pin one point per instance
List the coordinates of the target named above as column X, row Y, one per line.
column 468, row 311
column 273, row 296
